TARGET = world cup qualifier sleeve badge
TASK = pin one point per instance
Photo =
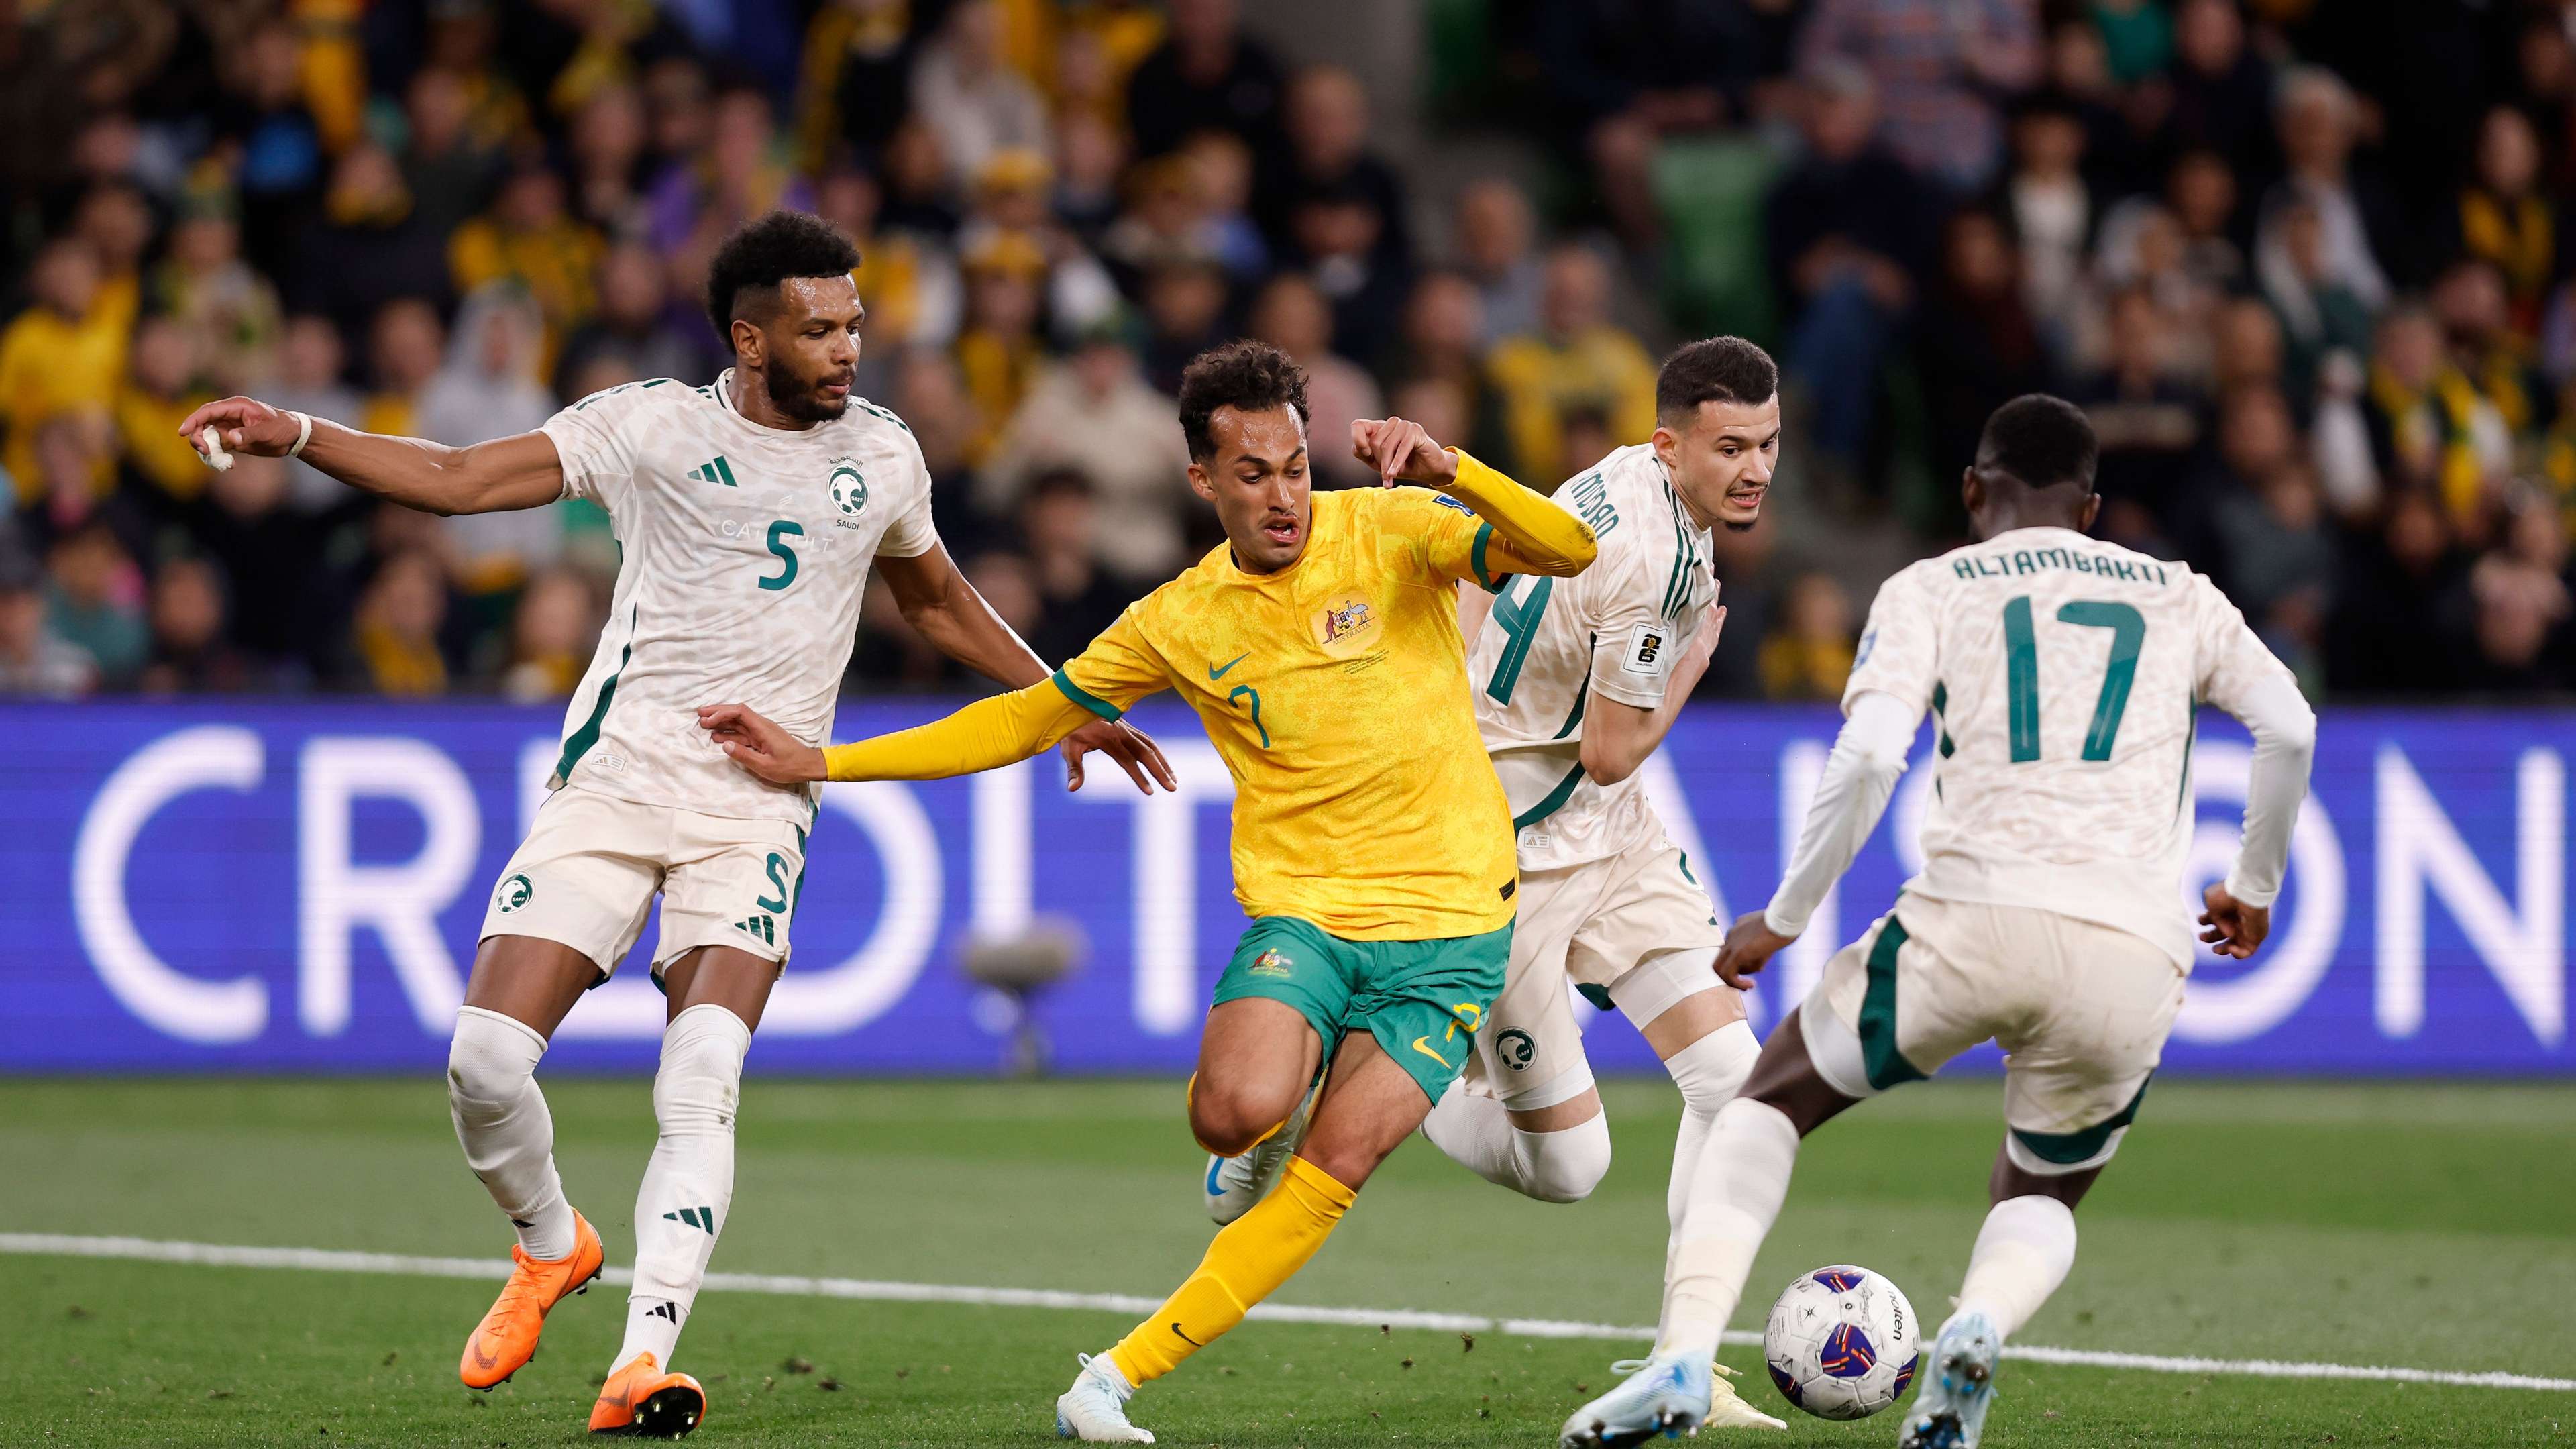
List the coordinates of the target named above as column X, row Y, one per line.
column 849, row 488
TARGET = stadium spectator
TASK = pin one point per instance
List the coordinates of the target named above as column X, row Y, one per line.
column 551, row 633
column 965, row 90
column 2221, row 90
column 1490, row 239
column 1843, row 227
column 371, row 247
column 998, row 352
column 34, row 660
column 1576, row 359
column 2429, row 427
column 855, row 85
column 527, row 239
column 1936, row 66
column 489, row 388
column 393, row 646
column 1810, row 654
column 1328, row 154
column 65, row 351
column 1977, row 346
column 2357, row 246
column 1061, row 535
column 1185, row 301
column 1206, row 76
column 1093, row 414
column 157, row 395
column 191, row 652
column 97, row 601
column 1442, row 344
column 2506, row 218
column 634, row 322
column 2051, row 207
column 207, row 288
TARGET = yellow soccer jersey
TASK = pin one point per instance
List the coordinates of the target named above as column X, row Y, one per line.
column 1336, row 691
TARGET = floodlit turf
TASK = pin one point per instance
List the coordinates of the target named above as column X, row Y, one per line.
column 2422, row 1226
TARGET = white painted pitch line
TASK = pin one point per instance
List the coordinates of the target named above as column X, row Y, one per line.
column 150, row 1250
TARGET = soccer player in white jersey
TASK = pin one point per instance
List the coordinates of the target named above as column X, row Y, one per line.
column 750, row 511
column 1576, row 684
column 2063, row 675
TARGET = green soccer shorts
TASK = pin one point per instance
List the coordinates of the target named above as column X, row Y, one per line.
column 1422, row 1000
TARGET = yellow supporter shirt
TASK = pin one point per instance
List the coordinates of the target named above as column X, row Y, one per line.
column 1336, row 692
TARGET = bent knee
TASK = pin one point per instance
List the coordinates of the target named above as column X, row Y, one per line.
column 490, row 1060
column 1232, row 1124
column 1564, row 1167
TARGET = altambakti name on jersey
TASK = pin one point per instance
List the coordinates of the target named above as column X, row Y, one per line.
column 1551, row 645
column 2063, row 675
column 745, row 553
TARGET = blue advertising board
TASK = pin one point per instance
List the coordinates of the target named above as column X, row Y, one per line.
column 284, row 887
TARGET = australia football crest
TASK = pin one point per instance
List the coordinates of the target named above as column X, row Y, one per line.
column 849, row 488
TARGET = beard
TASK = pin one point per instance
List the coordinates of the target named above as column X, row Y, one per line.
column 796, row 396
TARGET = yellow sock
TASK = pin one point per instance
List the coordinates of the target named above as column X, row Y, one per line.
column 1245, row 1264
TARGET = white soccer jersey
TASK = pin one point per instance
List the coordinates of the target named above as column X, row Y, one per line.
column 2062, row 674
column 1613, row 630
column 746, row 550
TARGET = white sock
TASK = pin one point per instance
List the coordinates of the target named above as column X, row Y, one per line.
column 504, row 1127
column 1477, row 1133
column 2023, row 1252
column 688, row 1186
column 1710, row 1071
column 1742, row 1173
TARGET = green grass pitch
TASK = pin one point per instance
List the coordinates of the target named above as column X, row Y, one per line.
column 2424, row 1226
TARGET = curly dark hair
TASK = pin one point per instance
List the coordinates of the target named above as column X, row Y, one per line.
column 1246, row 376
column 769, row 250
column 1714, row 369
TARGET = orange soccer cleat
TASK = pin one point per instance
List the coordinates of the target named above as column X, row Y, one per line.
column 506, row 1339
column 642, row 1400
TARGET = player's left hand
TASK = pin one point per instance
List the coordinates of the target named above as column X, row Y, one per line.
column 761, row 746
column 2235, row 929
column 1401, row 452
column 1133, row 749
column 1750, row 945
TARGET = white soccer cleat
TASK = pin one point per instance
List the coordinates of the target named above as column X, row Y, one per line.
column 1235, row 1183
column 1094, row 1410
column 1950, row 1409
column 1671, row 1394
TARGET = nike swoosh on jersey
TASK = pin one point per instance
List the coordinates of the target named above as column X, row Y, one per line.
column 1422, row 1044
column 1217, row 671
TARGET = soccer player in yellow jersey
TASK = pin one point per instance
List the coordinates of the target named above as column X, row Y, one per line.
column 1372, row 845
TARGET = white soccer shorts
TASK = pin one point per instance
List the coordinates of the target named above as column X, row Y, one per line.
column 587, row 873
column 1636, row 926
column 2081, row 1011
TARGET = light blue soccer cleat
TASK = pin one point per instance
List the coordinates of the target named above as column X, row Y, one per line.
column 1950, row 1410
column 1235, row 1183
column 1094, row 1410
column 1671, row 1394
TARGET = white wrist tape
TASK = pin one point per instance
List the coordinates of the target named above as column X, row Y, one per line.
column 303, row 434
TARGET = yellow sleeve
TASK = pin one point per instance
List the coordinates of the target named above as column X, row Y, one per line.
column 1121, row 667
column 1522, row 533
column 982, row 736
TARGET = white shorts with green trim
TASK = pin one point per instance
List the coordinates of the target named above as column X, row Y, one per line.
column 2081, row 1011
column 1634, row 930
column 592, row 863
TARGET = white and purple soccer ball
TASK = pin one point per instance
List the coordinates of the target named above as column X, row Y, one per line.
column 1842, row 1343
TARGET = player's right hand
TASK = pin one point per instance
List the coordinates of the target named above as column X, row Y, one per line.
column 760, row 746
column 246, row 425
column 2235, row 929
column 1750, row 945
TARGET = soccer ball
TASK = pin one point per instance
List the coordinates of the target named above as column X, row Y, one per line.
column 1841, row 1343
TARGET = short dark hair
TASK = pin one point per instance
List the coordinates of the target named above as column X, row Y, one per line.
column 769, row 250
column 1714, row 369
column 1246, row 376
column 2040, row 442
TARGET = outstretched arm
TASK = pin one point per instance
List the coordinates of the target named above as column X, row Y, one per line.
column 937, row 600
column 2238, row 911
column 984, row 735
column 516, row 472
column 1538, row 537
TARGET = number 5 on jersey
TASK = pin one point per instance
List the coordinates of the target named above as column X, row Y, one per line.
column 779, row 532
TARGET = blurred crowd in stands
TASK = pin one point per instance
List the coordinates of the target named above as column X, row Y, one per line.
column 2304, row 261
